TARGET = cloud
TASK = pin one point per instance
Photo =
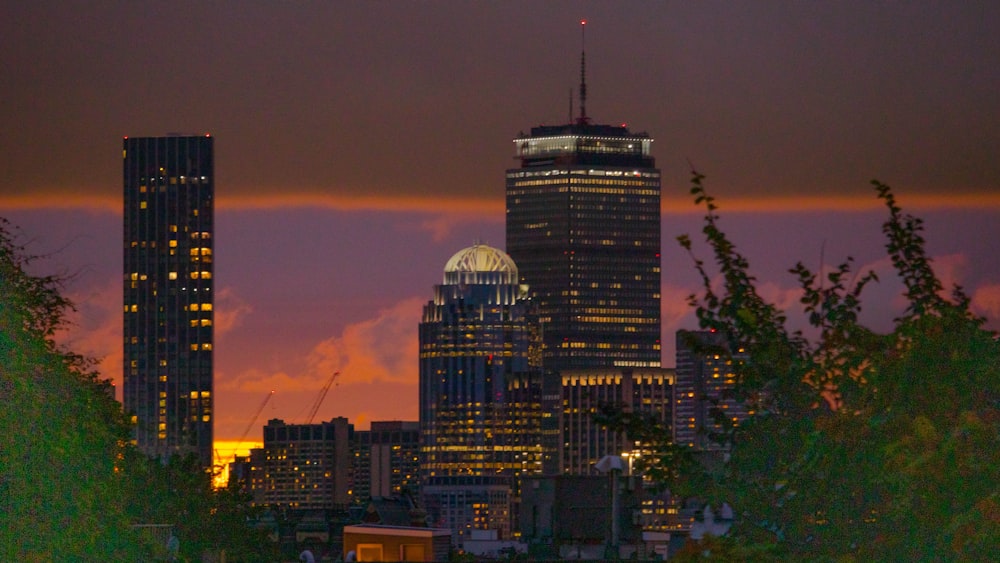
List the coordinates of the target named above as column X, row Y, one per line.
column 950, row 269
column 230, row 310
column 442, row 226
column 986, row 301
column 248, row 198
column 382, row 348
column 95, row 328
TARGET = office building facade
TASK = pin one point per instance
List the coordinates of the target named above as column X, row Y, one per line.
column 169, row 186
column 480, row 393
column 583, row 226
column 585, row 393
column 706, row 406
column 387, row 460
column 303, row 466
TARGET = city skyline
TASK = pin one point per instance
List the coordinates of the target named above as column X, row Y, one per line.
column 347, row 174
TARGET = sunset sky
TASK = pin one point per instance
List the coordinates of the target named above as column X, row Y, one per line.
column 360, row 144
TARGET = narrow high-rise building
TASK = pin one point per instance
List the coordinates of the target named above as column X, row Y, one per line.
column 706, row 404
column 583, row 226
column 480, row 394
column 168, row 306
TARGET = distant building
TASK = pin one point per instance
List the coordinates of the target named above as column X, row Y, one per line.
column 169, row 185
column 480, row 393
column 586, row 392
column 706, row 405
column 583, row 226
column 571, row 516
column 387, row 460
column 303, row 466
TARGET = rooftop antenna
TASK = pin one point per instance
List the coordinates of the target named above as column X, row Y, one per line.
column 583, row 119
column 570, row 105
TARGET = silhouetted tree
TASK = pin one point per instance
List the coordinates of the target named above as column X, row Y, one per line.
column 862, row 446
column 71, row 484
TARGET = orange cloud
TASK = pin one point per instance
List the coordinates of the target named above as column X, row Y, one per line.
column 383, row 348
column 380, row 349
column 95, row 328
column 986, row 302
column 856, row 203
column 240, row 199
column 230, row 310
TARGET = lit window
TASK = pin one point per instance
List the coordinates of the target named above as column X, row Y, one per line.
column 142, row 205
column 173, row 243
column 172, row 275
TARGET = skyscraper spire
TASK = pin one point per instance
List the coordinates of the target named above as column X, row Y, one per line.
column 583, row 119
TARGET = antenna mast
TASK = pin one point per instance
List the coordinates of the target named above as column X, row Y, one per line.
column 583, row 119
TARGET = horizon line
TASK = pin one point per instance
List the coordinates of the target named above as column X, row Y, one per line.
column 443, row 205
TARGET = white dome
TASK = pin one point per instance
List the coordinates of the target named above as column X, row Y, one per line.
column 480, row 264
column 481, row 258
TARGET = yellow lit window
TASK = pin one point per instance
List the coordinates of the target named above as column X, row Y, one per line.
column 172, row 275
column 194, row 394
column 206, row 306
column 173, row 243
column 206, row 322
column 206, row 346
column 194, row 347
column 194, row 307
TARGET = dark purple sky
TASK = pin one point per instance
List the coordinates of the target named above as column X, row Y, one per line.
column 359, row 145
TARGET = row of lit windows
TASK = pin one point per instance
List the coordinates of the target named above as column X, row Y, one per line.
column 173, row 181
column 591, row 171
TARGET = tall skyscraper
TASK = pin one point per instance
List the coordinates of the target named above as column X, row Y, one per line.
column 169, row 188
column 583, row 226
column 480, row 393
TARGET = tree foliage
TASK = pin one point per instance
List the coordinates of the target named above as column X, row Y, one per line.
column 72, row 487
column 862, row 446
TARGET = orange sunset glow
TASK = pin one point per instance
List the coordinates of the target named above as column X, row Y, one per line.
column 356, row 151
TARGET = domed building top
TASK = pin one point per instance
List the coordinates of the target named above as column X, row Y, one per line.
column 480, row 263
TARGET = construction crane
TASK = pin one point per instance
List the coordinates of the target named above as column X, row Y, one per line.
column 322, row 395
column 252, row 421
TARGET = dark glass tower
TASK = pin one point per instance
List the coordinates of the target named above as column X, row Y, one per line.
column 168, row 313
column 583, row 226
column 480, row 394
